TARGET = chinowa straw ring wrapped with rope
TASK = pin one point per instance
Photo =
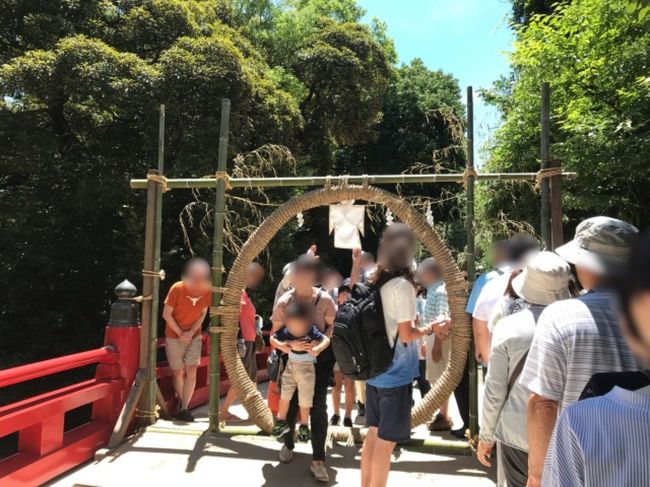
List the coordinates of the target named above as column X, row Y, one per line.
column 260, row 238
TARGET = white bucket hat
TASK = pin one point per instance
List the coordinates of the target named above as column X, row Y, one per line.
column 601, row 244
column 544, row 280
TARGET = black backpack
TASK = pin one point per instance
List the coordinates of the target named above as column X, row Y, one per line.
column 359, row 340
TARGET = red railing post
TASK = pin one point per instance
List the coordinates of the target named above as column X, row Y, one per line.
column 122, row 334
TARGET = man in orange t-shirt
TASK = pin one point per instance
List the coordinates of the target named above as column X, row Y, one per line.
column 185, row 308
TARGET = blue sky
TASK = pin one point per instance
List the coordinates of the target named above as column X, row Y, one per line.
column 467, row 38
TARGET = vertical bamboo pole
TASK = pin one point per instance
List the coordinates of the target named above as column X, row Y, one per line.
column 151, row 285
column 217, row 266
column 144, row 414
column 155, row 299
column 557, row 237
column 473, row 379
column 545, row 141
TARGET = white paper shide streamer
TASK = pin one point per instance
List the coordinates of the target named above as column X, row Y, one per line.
column 347, row 223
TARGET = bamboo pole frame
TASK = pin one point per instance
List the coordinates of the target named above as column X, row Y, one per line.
column 151, row 284
column 545, row 141
column 153, row 230
column 144, row 414
column 470, row 256
column 217, row 268
column 275, row 182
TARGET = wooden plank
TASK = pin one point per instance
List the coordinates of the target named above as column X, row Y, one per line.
column 128, row 410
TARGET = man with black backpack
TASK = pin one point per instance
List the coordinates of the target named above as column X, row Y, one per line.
column 384, row 355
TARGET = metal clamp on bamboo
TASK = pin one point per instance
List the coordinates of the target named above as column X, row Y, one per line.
column 547, row 172
column 159, row 274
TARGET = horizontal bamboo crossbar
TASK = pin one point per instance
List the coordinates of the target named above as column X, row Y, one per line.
column 193, row 183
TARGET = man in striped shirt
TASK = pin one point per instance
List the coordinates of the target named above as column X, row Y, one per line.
column 586, row 450
column 577, row 338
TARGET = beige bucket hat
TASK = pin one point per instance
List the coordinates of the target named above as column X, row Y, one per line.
column 601, row 244
column 544, row 280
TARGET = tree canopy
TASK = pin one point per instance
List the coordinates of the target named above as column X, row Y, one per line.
column 81, row 84
column 595, row 55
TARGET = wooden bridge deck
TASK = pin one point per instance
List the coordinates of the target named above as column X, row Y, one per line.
column 173, row 454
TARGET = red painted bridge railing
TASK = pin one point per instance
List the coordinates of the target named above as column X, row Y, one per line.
column 45, row 449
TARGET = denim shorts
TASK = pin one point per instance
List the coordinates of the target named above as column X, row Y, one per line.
column 389, row 410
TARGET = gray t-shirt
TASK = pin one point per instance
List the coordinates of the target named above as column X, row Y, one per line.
column 575, row 339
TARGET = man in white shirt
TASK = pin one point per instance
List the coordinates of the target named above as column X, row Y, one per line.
column 520, row 247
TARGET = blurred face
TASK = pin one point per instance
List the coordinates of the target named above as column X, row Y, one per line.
column 426, row 277
column 640, row 311
column 297, row 326
column 588, row 280
column 198, row 279
column 342, row 297
column 367, row 262
column 303, row 278
column 254, row 275
column 332, row 281
column 498, row 254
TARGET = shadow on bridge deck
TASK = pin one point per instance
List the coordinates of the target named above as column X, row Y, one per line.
column 171, row 454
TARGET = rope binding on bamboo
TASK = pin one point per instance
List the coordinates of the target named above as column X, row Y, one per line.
column 225, row 177
column 461, row 332
column 547, row 172
column 469, row 171
column 160, row 180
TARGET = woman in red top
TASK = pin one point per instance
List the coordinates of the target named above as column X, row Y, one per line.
column 248, row 332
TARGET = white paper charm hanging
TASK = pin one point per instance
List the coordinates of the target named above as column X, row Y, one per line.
column 301, row 219
column 347, row 221
column 389, row 217
column 429, row 214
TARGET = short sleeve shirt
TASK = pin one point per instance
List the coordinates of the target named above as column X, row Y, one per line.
column 398, row 303
column 437, row 302
column 490, row 295
column 247, row 322
column 575, row 339
column 601, row 442
column 283, row 334
column 188, row 309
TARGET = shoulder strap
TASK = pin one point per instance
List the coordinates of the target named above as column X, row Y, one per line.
column 517, row 372
column 317, row 298
column 520, row 365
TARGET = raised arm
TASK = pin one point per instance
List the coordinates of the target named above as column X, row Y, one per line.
column 355, row 271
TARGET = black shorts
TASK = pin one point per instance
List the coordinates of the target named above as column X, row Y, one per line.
column 389, row 410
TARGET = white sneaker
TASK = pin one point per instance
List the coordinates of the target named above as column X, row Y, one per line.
column 319, row 472
column 286, row 455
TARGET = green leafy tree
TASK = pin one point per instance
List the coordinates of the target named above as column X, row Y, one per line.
column 595, row 55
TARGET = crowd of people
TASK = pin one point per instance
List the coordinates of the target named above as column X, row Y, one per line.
column 563, row 338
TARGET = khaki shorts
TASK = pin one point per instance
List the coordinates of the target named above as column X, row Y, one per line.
column 300, row 375
column 435, row 369
column 180, row 354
